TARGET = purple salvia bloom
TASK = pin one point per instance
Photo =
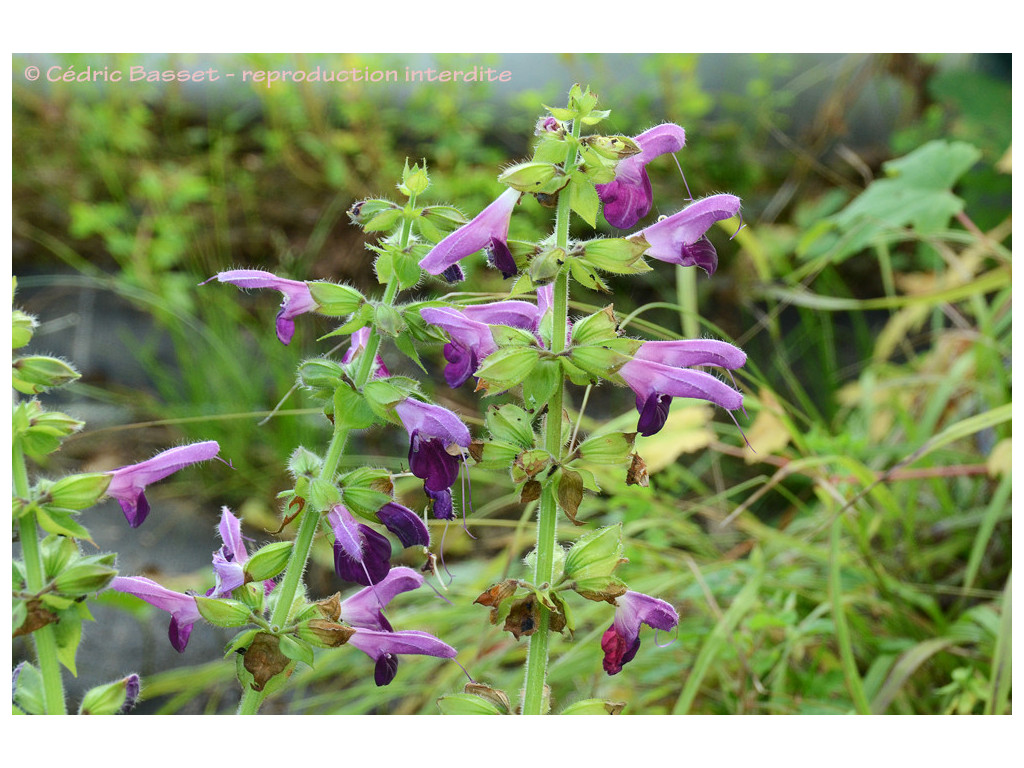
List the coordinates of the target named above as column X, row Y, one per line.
column 683, row 353
column 432, row 430
column 374, row 635
column 405, row 524
column 489, row 230
column 360, row 553
column 229, row 560
column 128, row 484
column 383, row 647
column 363, row 609
column 358, row 343
column 622, row 639
column 297, row 298
column 470, row 333
column 182, row 607
column 628, row 197
column 655, row 384
column 680, row 238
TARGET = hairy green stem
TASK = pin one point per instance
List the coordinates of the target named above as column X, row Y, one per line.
column 547, row 515
column 44, row 638
column 303, row 544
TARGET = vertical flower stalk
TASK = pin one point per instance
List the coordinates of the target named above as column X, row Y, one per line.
column 547, row 514
column 310, row 521
column 45, row 638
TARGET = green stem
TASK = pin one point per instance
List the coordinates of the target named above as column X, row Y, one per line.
column 44, row 638
column 303, row 545
column 547, row 515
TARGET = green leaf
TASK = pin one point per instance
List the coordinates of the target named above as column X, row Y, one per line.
column 68, row 632
column 917, row 193
column 583, row 198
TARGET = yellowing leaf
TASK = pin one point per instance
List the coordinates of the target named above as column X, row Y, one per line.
column 685, row 431
column 768, row 434
column 999, row 460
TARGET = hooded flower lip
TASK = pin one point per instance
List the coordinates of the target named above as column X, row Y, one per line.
column 470, row 333
column 628, row 197
column 621, row 641
column 229, row 561
column 360, row 553
column 374, row 635
column 432, row 431
column 128, row 484
column 297, row 297
column 182, row 607
column 405, row 524
column 680, row 238
column 489, row 230
column 655, row 375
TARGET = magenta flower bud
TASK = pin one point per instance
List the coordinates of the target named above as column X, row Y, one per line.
column 621, row 641
column 628, row 197
column 680, row 238
column 297, row 298
column 489, row 230
column 128, row 484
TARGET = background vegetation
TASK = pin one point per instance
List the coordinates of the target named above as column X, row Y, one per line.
column 857, row 560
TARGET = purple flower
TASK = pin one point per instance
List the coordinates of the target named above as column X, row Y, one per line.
column 680, row 238
column 128, row 484
column 229, row 561
column 470, row 333
column 360, row 553
column 489, row 230
column 182, row 607
column 622, row 639
column 432, row 431
column 374, row 635
column 358, row 343
column 297, row 298
column 628, row 197
column 660, row 371
column 405, row 524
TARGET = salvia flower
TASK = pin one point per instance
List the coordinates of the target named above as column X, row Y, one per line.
column 621, row 641
column 434, row 430
column 128, row 484
column 360, row 553
column 660, row 370
column 374, row 635
column 181, row 606
column 297, row 298
column 628, row 197
column 228, row 562
column 470, row 335
column 488, row 231
column 680, row 238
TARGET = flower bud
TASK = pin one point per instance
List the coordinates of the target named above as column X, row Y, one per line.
column 304, row 463
column 32, row 375
column 320, row 373
column 415, row 180
column 323, row 633
column 22, row 327
column 268, row 561
column 85, row 575
column 252, row 594
column 595, row 707
column 222, row 612
column 335, row 300
column 595, row 555
column 546, row 178
column 112, row 698
column 506, row 368
column 511, row 424
column 545, row 265
column 375, row 215
column 79, row 491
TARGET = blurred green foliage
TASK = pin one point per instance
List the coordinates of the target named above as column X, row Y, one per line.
column 858, row 561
